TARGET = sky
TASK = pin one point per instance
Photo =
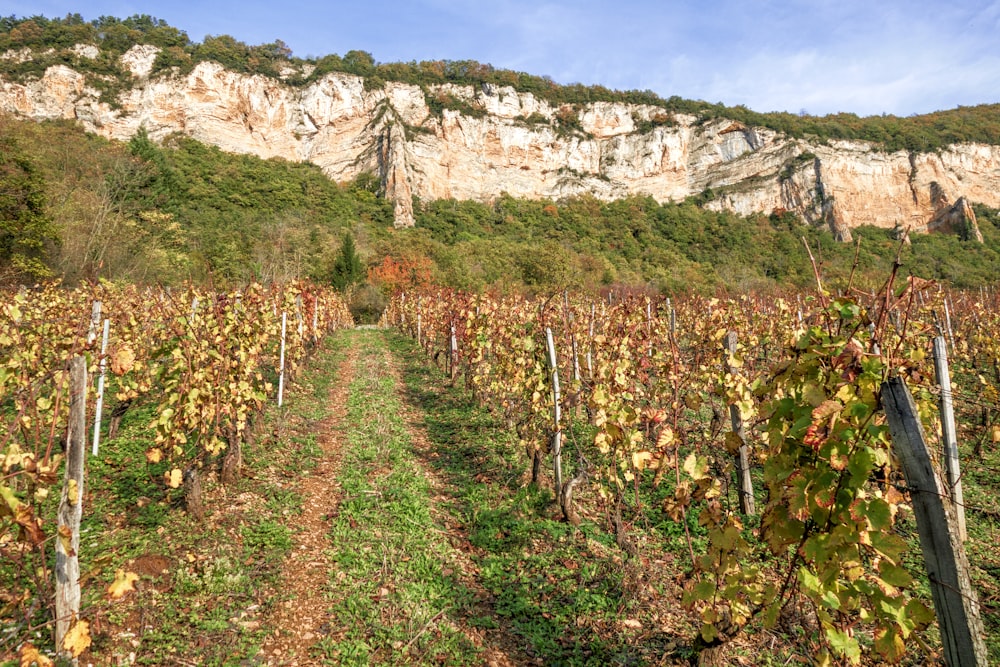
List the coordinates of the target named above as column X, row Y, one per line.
column 867, row 57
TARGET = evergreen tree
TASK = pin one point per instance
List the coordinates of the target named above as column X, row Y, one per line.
column 347, row 267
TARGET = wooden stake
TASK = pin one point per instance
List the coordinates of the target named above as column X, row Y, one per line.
column 744, row 482
column 281, row 360
column 71, row 506
column 949, row 434
column 955, row 600
column 556, row 415
column 100, row 389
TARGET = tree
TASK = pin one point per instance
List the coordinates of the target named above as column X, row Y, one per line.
column 25, row 229
column 347, row 267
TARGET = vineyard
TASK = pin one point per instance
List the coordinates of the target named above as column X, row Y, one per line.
column 203, row 364
column 757, row 425
column 736, row 458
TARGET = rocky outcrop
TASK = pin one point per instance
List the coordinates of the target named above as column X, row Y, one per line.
column 957, row 218
column 467, row 142
column 139, row 59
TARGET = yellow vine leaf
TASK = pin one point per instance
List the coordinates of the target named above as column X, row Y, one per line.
column 124, row 583
column 65, row 538
column 154, row 455
column 644, row 459
column 174, row 478
column 31, row 657
column 77, row 640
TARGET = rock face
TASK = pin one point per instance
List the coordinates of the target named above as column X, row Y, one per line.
column 484, row 141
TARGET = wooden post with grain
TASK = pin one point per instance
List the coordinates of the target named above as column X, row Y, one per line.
column 949, row 435
column 71, row 506
column 743, row 480
column 955, row 601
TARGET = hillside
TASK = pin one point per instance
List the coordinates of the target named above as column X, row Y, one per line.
column 160, row 202
column 446, row 130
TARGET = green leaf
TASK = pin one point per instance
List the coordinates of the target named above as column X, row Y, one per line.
column 860, row 465
column 890, row 545
column 813, row 394
column 844, row 644
column 771, row 613
column 809, row 580
column 919, row 614
column 831, row 600
column 878, row 514
column 894, row 575
column 704, row 590
column 889, row 643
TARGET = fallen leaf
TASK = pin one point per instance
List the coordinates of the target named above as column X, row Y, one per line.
column 30, row 656
column 77, row 640
column 124, row 583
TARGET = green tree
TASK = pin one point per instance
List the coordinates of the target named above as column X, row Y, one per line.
column 347, row 267
column 25, row 229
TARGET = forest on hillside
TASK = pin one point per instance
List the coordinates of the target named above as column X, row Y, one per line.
column 81, row 208
column 78, row 208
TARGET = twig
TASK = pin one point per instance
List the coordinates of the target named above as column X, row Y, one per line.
column 819, row 281
column 424, row 629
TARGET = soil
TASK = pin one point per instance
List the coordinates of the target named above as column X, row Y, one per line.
column 300, row 620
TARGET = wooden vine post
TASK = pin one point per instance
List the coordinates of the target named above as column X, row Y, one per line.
column 590, row 344
column 955, row 601
column 949, row 433
column 743, row 480
column 281, row 360
column 453, row 354
column 71, row 507
column 102, row 370
column 556, row 414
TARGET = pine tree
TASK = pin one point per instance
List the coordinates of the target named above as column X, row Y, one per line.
column 347, row 267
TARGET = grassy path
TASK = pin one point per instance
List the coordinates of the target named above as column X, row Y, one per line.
column 438, row 552
column 300, row 618
column 399, row 590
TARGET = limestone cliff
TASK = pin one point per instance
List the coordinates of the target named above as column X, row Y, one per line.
column 476, row 143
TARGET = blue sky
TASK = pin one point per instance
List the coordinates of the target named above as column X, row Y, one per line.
column 821, row 56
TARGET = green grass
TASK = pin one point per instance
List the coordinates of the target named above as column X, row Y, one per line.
column 221, row 576
column 564, row 592
column 394, row 588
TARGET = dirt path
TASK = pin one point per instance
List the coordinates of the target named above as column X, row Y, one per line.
column 301, row 620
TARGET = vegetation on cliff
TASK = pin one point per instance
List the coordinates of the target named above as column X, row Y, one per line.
column 150, row 213
column 51, row 42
